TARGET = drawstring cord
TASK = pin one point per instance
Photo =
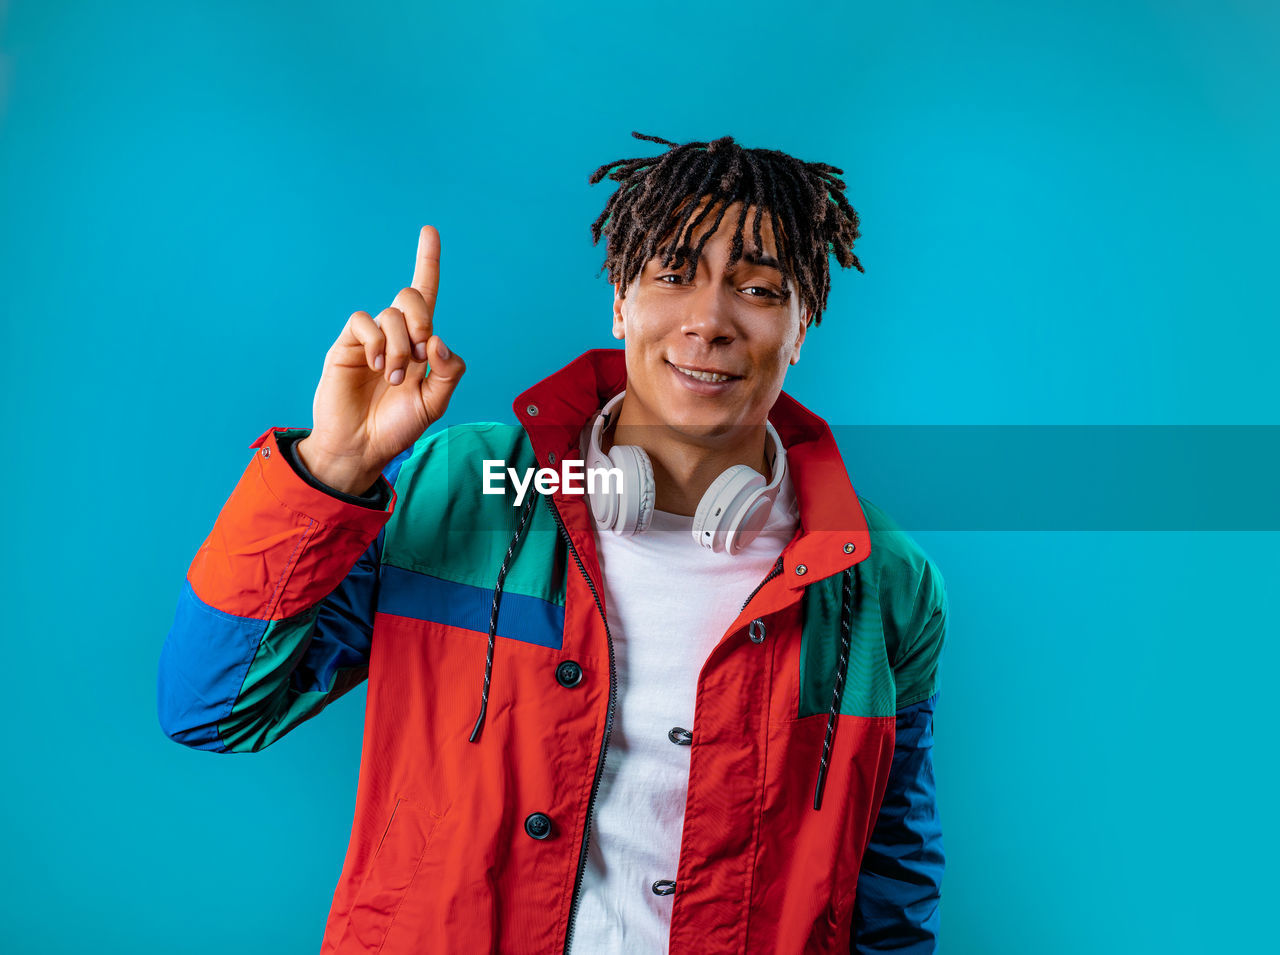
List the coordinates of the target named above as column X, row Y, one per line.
column 846, row 626
column 493, row 616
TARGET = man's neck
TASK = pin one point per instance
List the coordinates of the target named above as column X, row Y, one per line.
column 683, row 468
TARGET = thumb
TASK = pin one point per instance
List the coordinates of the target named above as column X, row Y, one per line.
column 446, row 370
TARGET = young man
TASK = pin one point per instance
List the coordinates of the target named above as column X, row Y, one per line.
column 690, row 711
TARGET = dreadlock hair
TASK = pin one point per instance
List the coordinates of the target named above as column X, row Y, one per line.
column 807, row 209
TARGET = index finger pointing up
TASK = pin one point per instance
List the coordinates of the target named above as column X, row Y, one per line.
column 426, row 270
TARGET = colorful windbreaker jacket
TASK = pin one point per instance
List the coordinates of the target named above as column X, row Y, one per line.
column 810, row 823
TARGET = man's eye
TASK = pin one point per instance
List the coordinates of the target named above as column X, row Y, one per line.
column 768, row 292
column 670, row 275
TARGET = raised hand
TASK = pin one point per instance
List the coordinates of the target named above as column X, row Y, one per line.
column 375, row 397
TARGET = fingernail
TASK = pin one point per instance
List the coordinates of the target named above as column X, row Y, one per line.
column 444, row 350
column 397, row 376
column 420, row 351
column 377, row 363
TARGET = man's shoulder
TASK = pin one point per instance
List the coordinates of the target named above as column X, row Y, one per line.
column 446, row 471
column 895, row 553
column 461, row 449
column 452, row 523
column 913, row 606
column 903, row 571
column 475, row 436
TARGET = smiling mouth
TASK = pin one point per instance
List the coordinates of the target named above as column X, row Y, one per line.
column 708, row 376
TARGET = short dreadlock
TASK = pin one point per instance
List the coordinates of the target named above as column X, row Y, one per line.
column 807, row 197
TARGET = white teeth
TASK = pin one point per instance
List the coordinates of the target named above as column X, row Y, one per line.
column 702, row 375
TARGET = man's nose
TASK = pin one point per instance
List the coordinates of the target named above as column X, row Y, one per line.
column 710, row 314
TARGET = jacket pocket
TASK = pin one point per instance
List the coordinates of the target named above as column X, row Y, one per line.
column 387, row 884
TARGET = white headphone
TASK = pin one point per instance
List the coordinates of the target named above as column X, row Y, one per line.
column 732, row 512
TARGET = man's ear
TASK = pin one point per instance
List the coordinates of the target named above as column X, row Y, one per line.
column 619, row 324
column 804, row 328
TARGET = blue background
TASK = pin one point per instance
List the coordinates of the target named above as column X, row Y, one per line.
column 1069, row 218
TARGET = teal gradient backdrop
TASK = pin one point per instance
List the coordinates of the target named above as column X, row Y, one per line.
column 1069, row 218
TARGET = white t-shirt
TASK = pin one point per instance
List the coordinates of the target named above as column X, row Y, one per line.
column 668, row 601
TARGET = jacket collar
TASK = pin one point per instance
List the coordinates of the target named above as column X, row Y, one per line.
column 833, row 529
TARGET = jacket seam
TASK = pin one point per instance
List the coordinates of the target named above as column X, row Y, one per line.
column 910, row 641
column 287, row 571
column 902, row 704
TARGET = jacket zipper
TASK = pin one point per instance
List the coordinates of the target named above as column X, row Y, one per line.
column 608, row 725
column 777, row 569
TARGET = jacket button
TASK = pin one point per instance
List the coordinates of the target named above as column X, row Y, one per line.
column 756, row 631
column 568, row 673
column 664, row 887
column 680, row 736
column 848, row 548
column 801, row 569
column 538, row 825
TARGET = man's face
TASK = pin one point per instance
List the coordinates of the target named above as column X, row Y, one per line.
column 745, row 322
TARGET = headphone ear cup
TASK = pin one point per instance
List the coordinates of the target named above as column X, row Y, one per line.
column 603, row 499
column 748, row 521
column 722, row 502
column 635, row 506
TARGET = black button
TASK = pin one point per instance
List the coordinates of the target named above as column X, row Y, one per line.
column 680, row 736
column 538, row 825
column 756, row 631
column 664, row 887
column 568, row 673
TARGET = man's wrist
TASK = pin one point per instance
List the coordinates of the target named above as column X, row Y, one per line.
column 342, row 475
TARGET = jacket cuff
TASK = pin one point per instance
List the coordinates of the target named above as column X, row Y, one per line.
column 279, row 545
column 313, row 498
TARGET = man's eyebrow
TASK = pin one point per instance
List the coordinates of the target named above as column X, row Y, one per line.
column 750, row 256
column 753, row 257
